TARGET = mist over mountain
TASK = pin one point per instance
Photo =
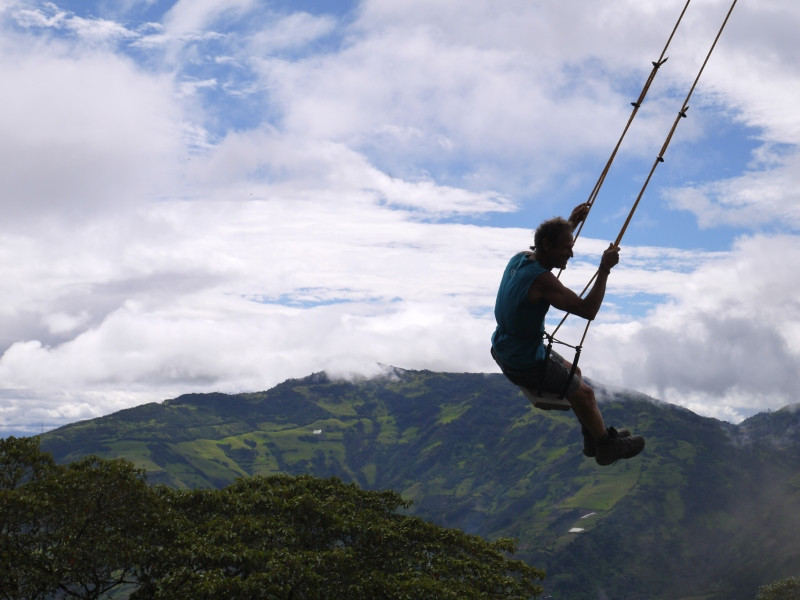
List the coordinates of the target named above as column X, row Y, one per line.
column 709, row 510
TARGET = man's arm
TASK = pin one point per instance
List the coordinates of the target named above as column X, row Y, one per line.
column 547, row 287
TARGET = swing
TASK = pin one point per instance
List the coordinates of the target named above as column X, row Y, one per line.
column 552, row 400
column 549, row 400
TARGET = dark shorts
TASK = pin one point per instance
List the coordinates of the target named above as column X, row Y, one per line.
column 555, row 376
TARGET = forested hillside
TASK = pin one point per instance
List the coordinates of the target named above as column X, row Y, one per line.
column 708, row 510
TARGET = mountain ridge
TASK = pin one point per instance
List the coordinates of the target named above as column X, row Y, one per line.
column 473, row 454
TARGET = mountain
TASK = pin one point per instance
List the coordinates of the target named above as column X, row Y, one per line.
column 708, row 511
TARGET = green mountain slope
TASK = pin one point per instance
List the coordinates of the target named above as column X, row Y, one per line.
column 709, row 510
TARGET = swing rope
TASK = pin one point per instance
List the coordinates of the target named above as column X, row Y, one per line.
column 681, row 115
column 636, row 105
column 659, row 159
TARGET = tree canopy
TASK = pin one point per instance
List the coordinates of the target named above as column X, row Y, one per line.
column 786, row 589
column 94, row 527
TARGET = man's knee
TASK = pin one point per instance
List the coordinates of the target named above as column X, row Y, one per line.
column 583, row 396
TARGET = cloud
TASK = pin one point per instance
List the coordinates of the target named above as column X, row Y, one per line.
column 189, row 16
column 754, row 74
column 756, row 71
column 726, row 338
column 267, row 163
column 756, row 198
column 474, row 97
column 187, row 26
column 232, row 195
column 296, row 30
column 49, row 16
column 99, row 30
column 82, row 132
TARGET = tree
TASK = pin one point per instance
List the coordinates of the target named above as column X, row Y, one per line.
column 306, row 538
column 86, row 529
column 76, row 530
column 21, row 461
column 786, row 589
column 21, row 465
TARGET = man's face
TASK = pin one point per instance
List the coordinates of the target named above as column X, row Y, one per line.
column 561, row 250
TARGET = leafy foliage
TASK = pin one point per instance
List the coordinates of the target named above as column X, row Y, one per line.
column 787, row 589
column 303, row 537
column 76, row 530
column 84, row 529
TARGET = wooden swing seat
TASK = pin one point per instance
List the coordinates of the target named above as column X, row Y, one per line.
column 546, row 400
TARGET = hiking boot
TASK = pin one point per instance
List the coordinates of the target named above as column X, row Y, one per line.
column 590, row 446
column 613, row 447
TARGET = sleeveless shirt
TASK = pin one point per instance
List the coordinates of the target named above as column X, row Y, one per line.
column 517, row 340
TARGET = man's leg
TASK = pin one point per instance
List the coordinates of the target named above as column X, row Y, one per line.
column 611, row 445
column 585, row 407
column 606, row 445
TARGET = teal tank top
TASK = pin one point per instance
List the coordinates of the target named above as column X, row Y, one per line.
column 517, row 340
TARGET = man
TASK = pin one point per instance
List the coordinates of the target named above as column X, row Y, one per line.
column 527, row 291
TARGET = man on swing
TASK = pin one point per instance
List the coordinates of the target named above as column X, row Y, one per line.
column 527, row 290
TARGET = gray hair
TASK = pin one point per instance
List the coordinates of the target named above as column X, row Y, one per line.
column 550, row 230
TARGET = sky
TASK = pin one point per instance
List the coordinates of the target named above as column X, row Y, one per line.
column 219, row 195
